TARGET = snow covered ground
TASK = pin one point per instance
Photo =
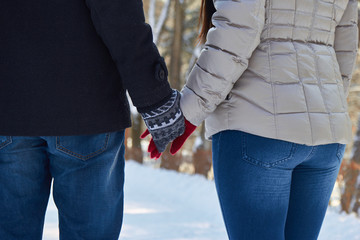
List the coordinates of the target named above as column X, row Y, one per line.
column 165, row 205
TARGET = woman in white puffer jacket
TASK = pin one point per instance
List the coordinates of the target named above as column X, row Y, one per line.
column 271, row 84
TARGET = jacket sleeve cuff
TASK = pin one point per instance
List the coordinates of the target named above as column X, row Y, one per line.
column 191, row 106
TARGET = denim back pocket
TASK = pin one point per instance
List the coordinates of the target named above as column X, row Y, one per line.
column 83, row 147
column 4, row 141
column 266, row 152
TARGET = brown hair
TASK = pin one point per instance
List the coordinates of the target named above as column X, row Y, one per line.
column 206, row 11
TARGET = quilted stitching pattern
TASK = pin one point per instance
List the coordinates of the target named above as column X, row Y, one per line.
column 294, row 83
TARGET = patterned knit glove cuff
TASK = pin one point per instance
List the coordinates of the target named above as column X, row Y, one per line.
column 166, row 122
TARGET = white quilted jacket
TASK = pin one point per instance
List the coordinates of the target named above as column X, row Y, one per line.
column 276, row 68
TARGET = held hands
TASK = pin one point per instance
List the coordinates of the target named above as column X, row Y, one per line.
column 165, row 123
column 176, row 144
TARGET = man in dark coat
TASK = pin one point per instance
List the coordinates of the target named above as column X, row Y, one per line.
column 65, row 66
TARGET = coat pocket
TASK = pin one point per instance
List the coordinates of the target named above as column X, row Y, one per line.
column 83, row 147
column 266, row 152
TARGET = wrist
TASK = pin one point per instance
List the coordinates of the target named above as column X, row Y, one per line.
column 156, row 105
column 166, row 122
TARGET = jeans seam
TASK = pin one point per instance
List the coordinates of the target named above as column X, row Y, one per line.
column 265, row 165
column 6, row 142
column 82, row 157
column 338, row 155
column 219, row 141
column 313, row 150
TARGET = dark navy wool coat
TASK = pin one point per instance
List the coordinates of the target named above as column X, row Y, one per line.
column 65, row 66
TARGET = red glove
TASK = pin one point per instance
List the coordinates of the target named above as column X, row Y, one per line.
column 176, row 144
column 179, row 141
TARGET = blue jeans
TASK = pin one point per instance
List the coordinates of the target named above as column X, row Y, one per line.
column 271, row 189
column 88, row 179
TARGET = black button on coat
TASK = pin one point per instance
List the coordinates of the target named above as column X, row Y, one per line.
column 65, row 66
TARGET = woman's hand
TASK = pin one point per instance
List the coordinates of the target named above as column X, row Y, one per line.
column 179, row 141
column 176, row 144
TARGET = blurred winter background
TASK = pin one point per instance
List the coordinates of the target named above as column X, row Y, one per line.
column 174, row 198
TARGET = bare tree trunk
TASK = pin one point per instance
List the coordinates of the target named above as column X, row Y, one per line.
column 202, row 158
column 177, row 44
column 167, row 160
column 158, row 26
column 127, row 148
column 350, row 195
column 356, row 208
column 135, row 152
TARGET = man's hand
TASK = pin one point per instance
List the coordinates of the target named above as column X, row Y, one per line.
column 164, row 123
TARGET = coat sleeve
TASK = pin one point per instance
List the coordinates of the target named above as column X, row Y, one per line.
column 346, row 43
column 230, row 43
column 121, row 25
